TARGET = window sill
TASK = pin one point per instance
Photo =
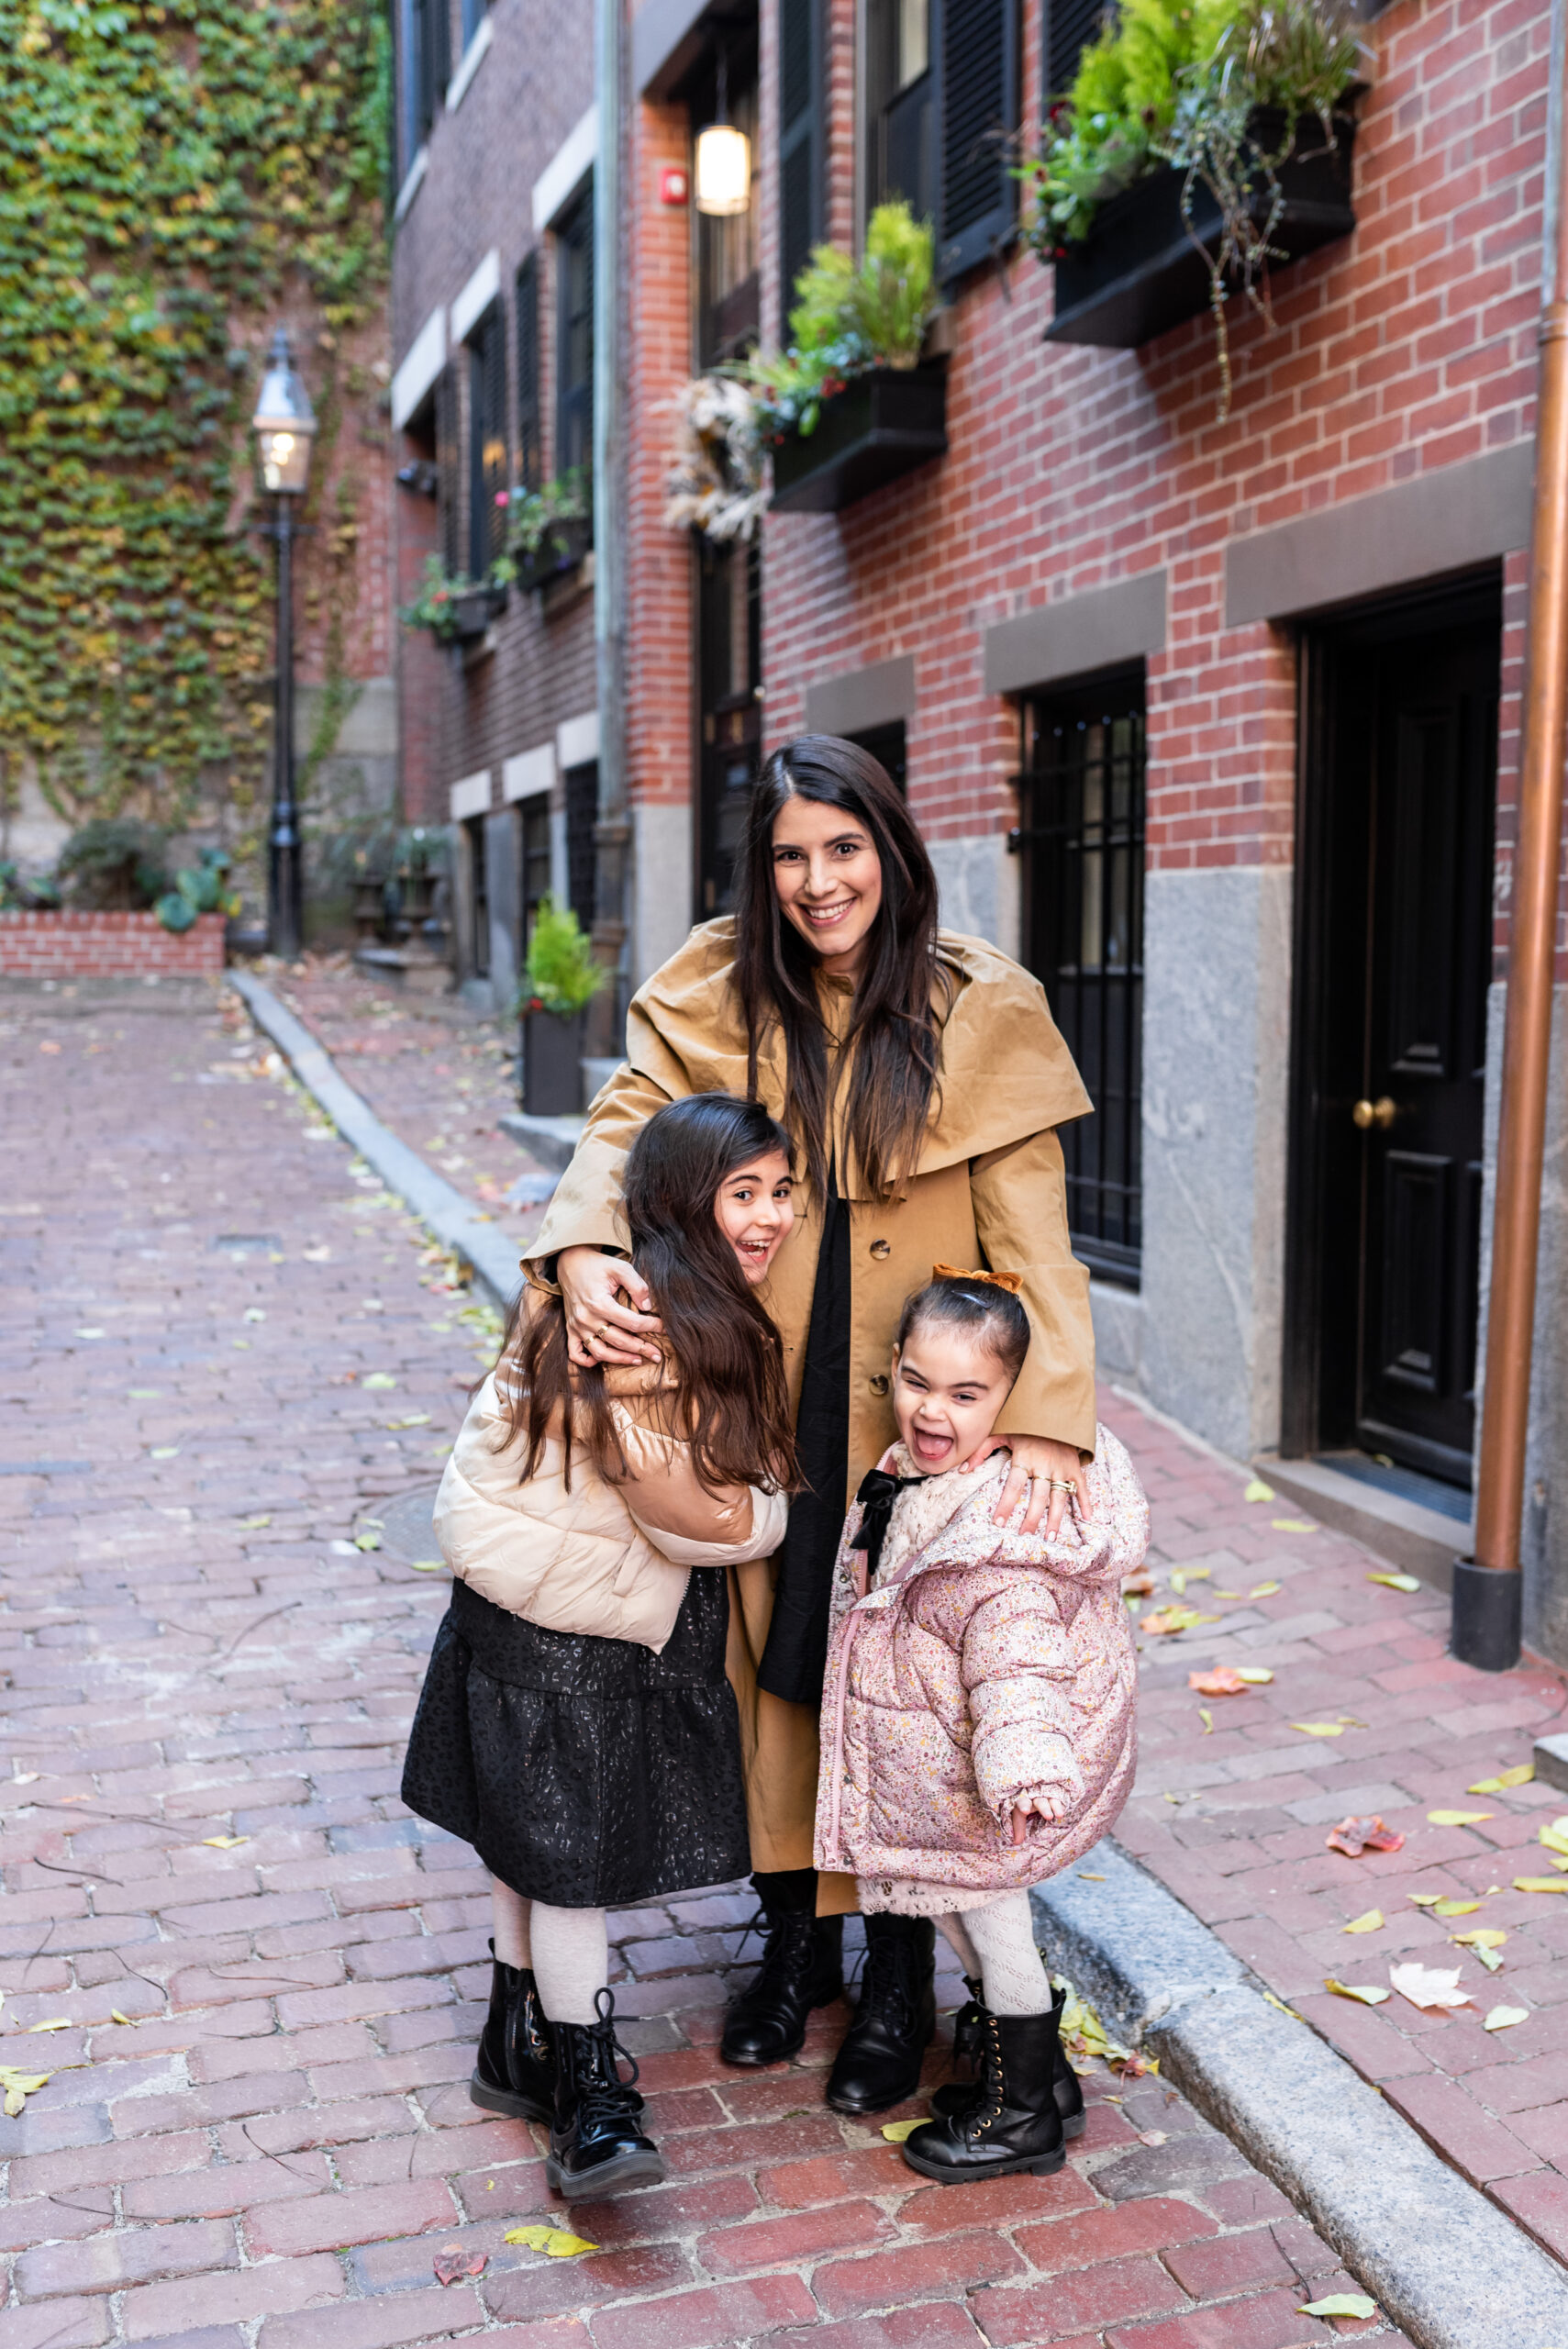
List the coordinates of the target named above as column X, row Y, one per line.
column 467, row 66
column 413, row 181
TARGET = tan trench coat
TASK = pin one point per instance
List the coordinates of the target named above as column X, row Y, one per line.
column 989, row 1190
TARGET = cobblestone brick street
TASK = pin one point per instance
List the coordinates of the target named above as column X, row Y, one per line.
column 254, row 1981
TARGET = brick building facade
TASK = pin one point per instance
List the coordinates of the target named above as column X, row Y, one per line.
column 1216, row 724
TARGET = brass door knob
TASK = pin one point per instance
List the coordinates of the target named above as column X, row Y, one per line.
column 1380, row 1112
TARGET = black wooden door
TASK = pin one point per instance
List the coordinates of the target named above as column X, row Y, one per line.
column 1393, row 944
column 1418, row 1114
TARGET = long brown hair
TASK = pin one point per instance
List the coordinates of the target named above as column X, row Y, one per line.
column 729, row 1399
column 896, row 1040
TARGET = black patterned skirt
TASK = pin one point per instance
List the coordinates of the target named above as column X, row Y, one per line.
column 586, row 1772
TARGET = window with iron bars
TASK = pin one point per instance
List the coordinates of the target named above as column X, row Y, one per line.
column 1081, row 839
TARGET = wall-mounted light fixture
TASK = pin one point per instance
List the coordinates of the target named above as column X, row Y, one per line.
column 723, row 174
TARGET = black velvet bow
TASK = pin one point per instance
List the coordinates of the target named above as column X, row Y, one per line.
column 876, row 1496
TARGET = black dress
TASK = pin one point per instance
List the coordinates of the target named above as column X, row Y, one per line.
column 586, row 1772
column 795, row 1655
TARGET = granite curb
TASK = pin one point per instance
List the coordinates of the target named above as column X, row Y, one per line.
column 444, row 1210
column 1439, row 2258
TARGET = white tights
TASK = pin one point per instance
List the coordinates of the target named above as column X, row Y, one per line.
column 996, row 1945
column 568, row 1949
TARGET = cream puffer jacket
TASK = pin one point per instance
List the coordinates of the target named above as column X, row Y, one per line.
column 611, row 1560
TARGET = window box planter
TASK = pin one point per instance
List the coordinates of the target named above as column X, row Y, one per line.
column 473, row 613
column 880, row 427
column 562, row 551
column 552, row 1065
column 1136, row 274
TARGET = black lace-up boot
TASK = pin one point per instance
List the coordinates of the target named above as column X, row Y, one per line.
column 1011, row 2121
column 596, row 2144
column 801, row 1967
column 515, row 2070
column 895, row 2019
column 954, row 2094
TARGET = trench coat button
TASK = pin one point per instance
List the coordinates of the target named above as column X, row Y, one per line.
column 878, row 1385
column 880, row 1248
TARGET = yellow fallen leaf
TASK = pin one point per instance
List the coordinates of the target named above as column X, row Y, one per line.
column 1257, row 1491
column 1089, row 1879
column 1398, row 1582
column 1207, row 1718
column 378, row 1379
column 1481, row 1937
column 254, row 1313
column 1520, row 1775
column 1457, row 1817
column 428, row 1565
column 115, row 2015
column 254, row 1524
column 1367, row 1992
column 1184, row 1574
column 1320, row 1729
column 1455, row 1907
column 55, row 2022
column 1253, row 1674
column 1553, row 1836
column 1293, row 1525
column 1263, row 1589
column 19, row 2087
column 1540, row 1884
column 1503, row 2018
column 163, row 1452
column 1166, row 1620
column 555, row 2242
column 409, row 1420
column 1424, row 1900
column 1339, row 2304
column 896, row 2131
column 1269, row 1999
column 1371, row 1922
column 225, row 1843
column 1227, row 1594
column 367, row 1541
column 1489, row 1959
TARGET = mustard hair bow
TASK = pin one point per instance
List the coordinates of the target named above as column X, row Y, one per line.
column 1011, row 1282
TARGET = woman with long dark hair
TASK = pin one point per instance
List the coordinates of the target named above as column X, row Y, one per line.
column 921, row 1077
column 576, row 1725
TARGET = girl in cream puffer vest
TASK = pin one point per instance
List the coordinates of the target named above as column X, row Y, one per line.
column 576, row 1724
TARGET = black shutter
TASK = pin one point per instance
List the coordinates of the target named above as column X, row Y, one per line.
column 447, row 461
column 1071, row 26
column 975, row 47
column 800, row 139
column 487, row 442
column 574, row 337
column 530, row 417
column 432, row 41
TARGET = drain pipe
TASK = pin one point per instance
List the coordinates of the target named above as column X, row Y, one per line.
column 1487, row 1589
column 612, row 833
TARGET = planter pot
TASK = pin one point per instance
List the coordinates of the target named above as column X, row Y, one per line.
column 1137, row 274
column 562, row 550
column 877, row 429
column 473, row 613
column 552, row 1065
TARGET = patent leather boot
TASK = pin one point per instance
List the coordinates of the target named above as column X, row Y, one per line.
column 895, row 2019
column 954, row 2094
column 801, row 1967
column 515, row 2072
column 1011, row 2122
column 596, row 2144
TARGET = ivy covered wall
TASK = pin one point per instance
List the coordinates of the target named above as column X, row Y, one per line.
column 173, row 180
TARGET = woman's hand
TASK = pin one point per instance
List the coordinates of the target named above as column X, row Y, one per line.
column 608, row 1319
column 1050, row 1803
column 1048, row 1471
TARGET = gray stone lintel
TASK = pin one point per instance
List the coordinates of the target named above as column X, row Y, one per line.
column 861, row 699
column 1442, row 521
column 666, row 39
column 1077, row 635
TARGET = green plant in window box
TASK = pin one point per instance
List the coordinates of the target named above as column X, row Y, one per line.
column 447, row 603
column 547, row 529
column 1220, row 90
column 849, row 317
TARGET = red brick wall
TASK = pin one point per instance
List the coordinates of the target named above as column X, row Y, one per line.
column 108, row 946
column 1408, row 346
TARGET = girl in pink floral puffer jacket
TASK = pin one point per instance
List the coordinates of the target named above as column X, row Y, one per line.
column 977, row 1719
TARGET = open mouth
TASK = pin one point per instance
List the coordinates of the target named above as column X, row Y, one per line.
column 753, row 1251
column 824, row 916
column 929, row 1449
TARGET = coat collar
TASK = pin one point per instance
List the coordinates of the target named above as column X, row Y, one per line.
column 1004, row 1074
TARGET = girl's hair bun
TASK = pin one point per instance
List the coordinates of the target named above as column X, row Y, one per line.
column 983, row 1303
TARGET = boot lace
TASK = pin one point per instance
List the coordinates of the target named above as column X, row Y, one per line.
column 884, row 1989
column 777, row 1950
column 603, row 2097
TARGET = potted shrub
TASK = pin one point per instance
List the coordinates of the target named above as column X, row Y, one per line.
column 455, row 608
column 560, row 979
column 115, row 864
column 1202, row 141
column 847, row 407
column 548, row 530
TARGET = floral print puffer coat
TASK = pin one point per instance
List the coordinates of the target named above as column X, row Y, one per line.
column 984, row 1666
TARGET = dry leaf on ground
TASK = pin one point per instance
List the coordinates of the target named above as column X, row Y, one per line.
column 1367, row 1992
column 1540, row 1884
column 1223, row 1681
column 1555, row 1835
column 1321, row 1729
column 1293, row 1525
column 225, row 1843
column 1166, row 1620
column 1184, row 1574
column 1256, row 1676
column 1257, row 1491
column 896, row 2131
column 1264, row 1589
column 1397, row 1582
column 454, row 2260
column 1354, row 1836
column 1446, row 1908
column 1520, row 1775
column 1504, row 2018
column 1457, row 1817
column 1428, row 1985
column 1339, row 2304
column 1370, row 1921
column 554, row 2241
column 1207, row 1718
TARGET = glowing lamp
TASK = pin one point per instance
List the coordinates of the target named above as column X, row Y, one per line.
column 285, row 423
column 723, row 177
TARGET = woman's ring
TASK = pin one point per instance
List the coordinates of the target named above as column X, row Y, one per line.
column 1063, row 1485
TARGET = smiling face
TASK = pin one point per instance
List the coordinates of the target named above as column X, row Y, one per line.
column 948, row 1387
column 755, row 1212
column 829, row 879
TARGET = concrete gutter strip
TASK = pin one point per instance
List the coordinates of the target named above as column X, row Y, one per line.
column 1438, row 2257
column 444, row 1210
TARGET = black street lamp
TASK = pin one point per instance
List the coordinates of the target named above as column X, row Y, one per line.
column 284, row 424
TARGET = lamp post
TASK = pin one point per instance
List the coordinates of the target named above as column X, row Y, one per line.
column 284, row 424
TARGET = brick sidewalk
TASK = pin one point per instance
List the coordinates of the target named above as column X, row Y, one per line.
column 212, row 1687
column 1233, row 1818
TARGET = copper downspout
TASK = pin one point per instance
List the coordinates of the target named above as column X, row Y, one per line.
column 1487, row 1596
